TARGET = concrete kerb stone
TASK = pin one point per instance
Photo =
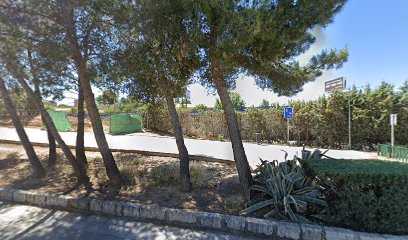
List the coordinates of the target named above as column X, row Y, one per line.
column 372, row 236
column 6, row 194
column 332, row 233
column 153, row 212
column 179, row 217
column 309, row 231
column 58, row 201
column 36, row 199
column 81, row 204
column 131, row 210
column 234, row 223
column 19, row 196
column 261, row 227
column 95, row 206
column 108, row 207
column 287, row 230
column 209, row 220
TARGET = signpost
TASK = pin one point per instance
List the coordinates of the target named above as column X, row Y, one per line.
column 340, row 84
column 393, row 121
column 335, row 84
column 288, row 114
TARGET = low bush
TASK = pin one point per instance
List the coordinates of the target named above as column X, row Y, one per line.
column 130, row 173
column 165, row 174
column 365, row 195
column 73, row 110
column 169, row 174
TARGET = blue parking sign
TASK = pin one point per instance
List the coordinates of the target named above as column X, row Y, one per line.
column 288, row 112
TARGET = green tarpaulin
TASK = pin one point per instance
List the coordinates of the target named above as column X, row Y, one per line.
column 60, row 120
column 125, row 123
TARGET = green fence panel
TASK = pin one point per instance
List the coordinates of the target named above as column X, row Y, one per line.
column 396, row 152
column 60, row 120
column 125, row 123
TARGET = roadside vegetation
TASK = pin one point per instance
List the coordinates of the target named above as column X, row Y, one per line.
column 149, row 52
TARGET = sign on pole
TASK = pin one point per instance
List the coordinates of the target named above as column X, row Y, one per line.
column 393, row 119
column 288, row 112
column 335, row 84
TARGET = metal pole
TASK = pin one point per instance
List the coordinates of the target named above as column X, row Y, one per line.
column 288, row 129
column 349, row 122
column 392, row 134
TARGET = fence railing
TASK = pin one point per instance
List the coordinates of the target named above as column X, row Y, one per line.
column 397, row 152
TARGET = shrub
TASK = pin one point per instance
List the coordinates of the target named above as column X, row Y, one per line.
column 129, row 173
column 285, row 192
column 200, row 108
column 165, row 174
column 63, row 106
column 365, row 195
column 169, row 174
column 73, row 110
column 49, row 107
column 221, row 137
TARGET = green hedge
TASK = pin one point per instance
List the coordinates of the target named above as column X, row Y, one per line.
column 365, row 195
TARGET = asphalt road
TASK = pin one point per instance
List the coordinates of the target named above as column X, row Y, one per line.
column 28, row 222
column 156, row 143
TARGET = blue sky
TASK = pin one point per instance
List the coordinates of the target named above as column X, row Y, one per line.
column 376, row 33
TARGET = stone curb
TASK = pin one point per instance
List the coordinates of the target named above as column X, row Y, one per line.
column 187, row 218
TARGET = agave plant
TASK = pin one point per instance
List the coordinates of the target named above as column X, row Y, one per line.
column 285, row 190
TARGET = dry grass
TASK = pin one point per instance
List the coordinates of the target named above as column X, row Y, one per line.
column 167, row 174
column 148, row 180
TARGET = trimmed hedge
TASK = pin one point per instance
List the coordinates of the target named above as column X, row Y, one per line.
column 365, row 195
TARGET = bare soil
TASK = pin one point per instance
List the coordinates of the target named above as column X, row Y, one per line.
column 149, row 180
column 36, row 122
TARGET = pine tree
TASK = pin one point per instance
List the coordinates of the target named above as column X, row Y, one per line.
column 261, row 38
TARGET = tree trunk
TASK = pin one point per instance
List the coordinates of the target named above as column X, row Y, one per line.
column 241, row 161
column 80, row 143
column 78, row 169
column 52, row 147
column 178, row 133
column 80, row 64
column 36, row 167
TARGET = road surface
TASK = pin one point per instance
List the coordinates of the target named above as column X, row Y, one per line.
column 28, row 222
column 165, row 144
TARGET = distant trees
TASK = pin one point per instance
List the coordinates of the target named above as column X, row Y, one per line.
column 107, row 97
column 264, row 104
column 237, row 102
column 200, row 107
column 401, row 107
column 320, row 123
